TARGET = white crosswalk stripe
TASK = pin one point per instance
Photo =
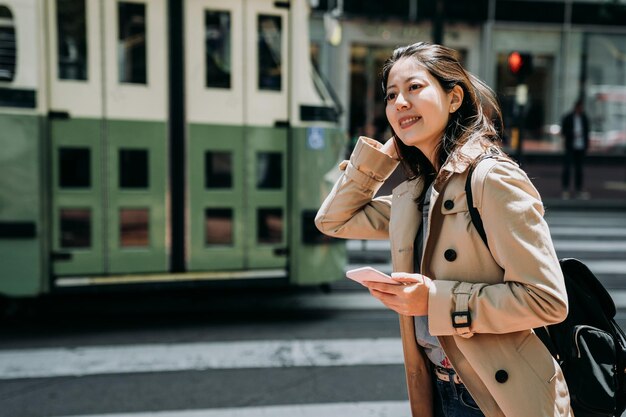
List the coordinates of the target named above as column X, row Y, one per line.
column 82, row 361
column 361, row 409
column 601, row 232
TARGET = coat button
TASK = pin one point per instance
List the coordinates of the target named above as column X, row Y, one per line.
column 448, row 204
column 450, row 255
column 502, row 376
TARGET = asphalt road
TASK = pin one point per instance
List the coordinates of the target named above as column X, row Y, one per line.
column 263, row 353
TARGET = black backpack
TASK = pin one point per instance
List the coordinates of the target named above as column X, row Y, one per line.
column 588, row 345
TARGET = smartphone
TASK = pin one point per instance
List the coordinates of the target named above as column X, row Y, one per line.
column 367, row 273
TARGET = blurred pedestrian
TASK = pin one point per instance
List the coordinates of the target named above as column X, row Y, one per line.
column 467, row 319
column 575, row 130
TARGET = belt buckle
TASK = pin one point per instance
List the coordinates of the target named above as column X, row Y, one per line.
column 456, row 378
column 444, row 375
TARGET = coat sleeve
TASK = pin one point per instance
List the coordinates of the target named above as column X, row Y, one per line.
column 532, row 293
column 350, row 211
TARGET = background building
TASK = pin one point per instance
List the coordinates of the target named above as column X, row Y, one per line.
column 570, row 49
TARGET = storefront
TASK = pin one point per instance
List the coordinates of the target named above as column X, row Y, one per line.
column 570, row 49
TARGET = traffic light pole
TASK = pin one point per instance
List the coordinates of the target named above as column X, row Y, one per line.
column 521, row 98
column 520, row 65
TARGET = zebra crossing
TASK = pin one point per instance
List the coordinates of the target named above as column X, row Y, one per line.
column 345, row 362
column 78, row 367
column 84, row 361
column 364, row 408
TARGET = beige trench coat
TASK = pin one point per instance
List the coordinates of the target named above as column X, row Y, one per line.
column 508, row 290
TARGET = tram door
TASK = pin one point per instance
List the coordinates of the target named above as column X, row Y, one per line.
column 108, row 135
column 236, row 89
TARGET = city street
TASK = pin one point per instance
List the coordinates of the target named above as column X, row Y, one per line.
column 264, row 353
column 162, row 163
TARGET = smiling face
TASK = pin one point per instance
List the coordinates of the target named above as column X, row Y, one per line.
column 418, row 108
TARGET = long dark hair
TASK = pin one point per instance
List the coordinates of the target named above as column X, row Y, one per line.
column 478, row 117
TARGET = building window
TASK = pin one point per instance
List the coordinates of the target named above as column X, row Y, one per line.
column 605, row 94
column 367, row 116
column 132, row 43
column 8, row 48
column 270, row 52
column 72, row 40
column 218, row 49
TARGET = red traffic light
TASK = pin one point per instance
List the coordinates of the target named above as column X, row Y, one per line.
column 520, row 64
column 515, row 62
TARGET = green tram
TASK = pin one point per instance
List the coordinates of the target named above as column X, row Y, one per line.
column 151, row 143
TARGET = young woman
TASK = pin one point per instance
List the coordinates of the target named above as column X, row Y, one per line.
column 467, row 316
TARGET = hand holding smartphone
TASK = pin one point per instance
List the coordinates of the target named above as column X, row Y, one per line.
column 367, row 273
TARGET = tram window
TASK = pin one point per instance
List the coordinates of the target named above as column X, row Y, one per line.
column 270, row 52
column 270, row 225
column 72, row 39
column 133, row 168
column 218, row 226
column 218, row 169
column 74, row 168
column 8, row 50
column 134, row 231
column 132, row 43
column 269, row 170
column 75, row 228
column 218, row 49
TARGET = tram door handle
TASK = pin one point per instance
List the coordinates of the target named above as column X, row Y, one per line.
column 281, row 251
column 58, row 115
column 60, row 256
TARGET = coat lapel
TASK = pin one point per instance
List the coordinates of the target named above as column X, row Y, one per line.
column 435, row 222
column 405, row 221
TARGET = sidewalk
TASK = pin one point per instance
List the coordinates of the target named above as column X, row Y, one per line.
column 604, row 180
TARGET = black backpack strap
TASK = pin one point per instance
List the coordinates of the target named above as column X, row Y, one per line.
column 546, row 338
column 473, row 211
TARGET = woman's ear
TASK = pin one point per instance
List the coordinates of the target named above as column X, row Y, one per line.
column 456, row 98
